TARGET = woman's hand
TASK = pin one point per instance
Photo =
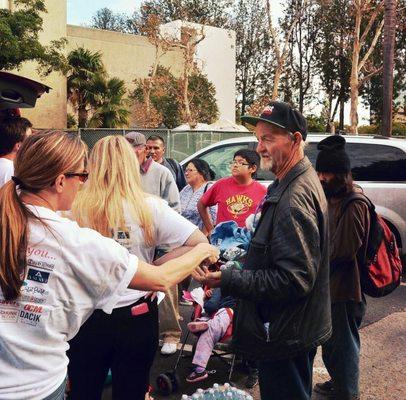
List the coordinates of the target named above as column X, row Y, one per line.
column 208, row 253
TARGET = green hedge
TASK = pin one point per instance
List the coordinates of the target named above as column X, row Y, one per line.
column 398, row 129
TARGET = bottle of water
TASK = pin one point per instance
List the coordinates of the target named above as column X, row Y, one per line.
column 197, row 396
column 185, row 397
column 209, row 395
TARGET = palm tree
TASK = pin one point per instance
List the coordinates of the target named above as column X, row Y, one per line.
column 108, row 102
column 388, row 65
column 84, row 66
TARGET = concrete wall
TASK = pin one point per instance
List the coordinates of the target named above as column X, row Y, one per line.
column 50, row 111
column 127, row 57
column 215, row 55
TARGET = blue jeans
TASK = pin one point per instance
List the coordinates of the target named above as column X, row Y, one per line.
column 287, row 379
column 341, row 352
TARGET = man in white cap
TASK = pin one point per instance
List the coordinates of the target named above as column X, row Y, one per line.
column 155, row 178
column 158, row 180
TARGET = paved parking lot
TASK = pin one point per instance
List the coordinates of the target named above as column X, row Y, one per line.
column 383, row 360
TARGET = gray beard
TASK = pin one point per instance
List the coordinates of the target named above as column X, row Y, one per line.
column 266, row 164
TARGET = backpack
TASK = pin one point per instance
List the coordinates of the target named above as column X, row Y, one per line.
column 381, row 271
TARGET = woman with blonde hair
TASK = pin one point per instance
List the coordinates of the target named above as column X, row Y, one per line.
column 53, row 273
column 113, row 203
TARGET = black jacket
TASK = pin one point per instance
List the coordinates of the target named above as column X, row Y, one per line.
column 283, row 291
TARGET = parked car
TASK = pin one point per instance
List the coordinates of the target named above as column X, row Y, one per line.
column 378, row 166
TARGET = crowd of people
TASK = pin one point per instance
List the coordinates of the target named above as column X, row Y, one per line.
column 96, row 251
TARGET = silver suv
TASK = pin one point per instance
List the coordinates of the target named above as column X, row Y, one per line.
column 378, row 166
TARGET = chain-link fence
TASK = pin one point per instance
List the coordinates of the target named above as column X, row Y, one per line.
column 179, row 144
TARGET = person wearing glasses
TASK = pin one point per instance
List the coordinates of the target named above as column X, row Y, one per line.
column 53, row 273
column 237, row 196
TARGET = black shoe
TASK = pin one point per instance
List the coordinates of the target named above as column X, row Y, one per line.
column 252, row 379
column 325, row 388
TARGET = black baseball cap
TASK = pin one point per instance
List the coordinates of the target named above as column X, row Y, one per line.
column 280, row 114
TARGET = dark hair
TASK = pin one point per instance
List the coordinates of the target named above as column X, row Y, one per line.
column 203, row 169
column 345, row 181
column 12, row 131
column 251, row 156
column 157, row 137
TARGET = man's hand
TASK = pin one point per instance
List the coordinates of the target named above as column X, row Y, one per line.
column 213, row 279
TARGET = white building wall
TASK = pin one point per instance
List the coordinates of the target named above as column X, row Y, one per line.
column 215, row 55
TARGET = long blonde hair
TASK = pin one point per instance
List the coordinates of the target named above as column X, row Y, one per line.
column 114, row 177
column 39, row 161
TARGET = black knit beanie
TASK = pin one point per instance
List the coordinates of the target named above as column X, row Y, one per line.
column 332, row 156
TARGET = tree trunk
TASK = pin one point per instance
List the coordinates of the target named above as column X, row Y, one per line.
column 342, row 106
column 82, row 116
column 276, row 80
column 388, row 65
column 354, row 80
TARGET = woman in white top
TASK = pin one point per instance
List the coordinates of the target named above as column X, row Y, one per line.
column 53, row 273
column 113, row 203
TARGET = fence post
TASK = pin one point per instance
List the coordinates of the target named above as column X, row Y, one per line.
column 168, row 143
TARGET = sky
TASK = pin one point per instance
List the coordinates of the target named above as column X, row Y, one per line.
column 81, row 12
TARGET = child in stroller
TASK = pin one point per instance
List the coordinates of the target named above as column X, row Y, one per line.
column 210, row 330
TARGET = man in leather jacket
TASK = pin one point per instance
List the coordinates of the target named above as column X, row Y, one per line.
column 283, row 309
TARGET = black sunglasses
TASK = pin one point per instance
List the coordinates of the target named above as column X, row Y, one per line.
column 82, row 175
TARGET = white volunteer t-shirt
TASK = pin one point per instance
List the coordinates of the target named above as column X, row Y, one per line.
column 70, row 272
column 6, row 170
column 170, row 229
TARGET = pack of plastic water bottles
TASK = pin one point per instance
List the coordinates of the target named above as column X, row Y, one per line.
column 217, row 392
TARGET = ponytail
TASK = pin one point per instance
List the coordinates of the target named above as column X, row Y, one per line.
column 13, row 241
column 39, row 161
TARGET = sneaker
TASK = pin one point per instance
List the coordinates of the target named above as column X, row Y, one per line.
column 198, row 326
column 197, row 376
column 252, row 379
column 185, row 303
column 325, row 388
column 169, row 348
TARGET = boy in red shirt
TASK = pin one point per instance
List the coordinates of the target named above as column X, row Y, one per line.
column 237, row 196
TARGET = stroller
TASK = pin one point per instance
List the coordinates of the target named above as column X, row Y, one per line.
column 169, row 382
column 231, row 256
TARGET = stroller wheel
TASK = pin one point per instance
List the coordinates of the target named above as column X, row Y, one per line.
column 168, row 382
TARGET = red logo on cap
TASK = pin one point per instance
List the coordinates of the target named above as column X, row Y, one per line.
column 267, row 110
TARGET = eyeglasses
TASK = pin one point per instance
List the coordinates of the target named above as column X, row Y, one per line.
column 81, row 175
column 238, row 163
column 190, row 170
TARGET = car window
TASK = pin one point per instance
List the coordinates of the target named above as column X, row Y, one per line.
column 311, row 152
column 219, row 158
column 375, row 162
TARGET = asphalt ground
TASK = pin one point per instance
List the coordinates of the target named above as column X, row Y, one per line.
column 377, row 310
